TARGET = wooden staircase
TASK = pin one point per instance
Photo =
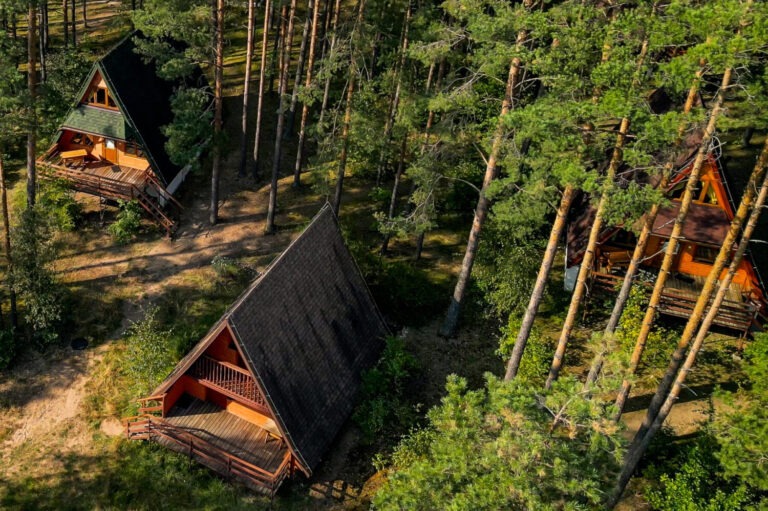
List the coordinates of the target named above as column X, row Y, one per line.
column 115, row 189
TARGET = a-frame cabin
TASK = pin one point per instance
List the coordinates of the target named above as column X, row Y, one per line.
column 267, row 390
column 111, row 144
column 704, row 230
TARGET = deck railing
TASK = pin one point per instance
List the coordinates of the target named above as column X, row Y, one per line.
column 109, row 188
column 230, row 380
column 149, row 427
column 731, row 314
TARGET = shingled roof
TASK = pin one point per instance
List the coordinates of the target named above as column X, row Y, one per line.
column 144, row 99
column 307, row 327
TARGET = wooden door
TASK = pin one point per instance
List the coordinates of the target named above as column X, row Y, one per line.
column 110, row 151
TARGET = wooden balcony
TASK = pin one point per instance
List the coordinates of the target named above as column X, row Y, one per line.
column 232, row 381
column 230, row 446
column 110, row 181
column 679, row 297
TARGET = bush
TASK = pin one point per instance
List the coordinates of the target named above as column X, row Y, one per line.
column 537, row 358
column 383, row 406
column 232, row 269
column 59, row 204
column 39, row 292
column 7, row 348
column 693, row 480
column 150, row 353
column 128, row 222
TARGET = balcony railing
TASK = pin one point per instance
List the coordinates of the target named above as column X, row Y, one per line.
column 230, row 380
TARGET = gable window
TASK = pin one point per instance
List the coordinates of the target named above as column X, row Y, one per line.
column 100, row 96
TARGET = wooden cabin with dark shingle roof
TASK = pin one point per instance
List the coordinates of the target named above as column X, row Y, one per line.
column 267, row 390
column 111, row 144
column 704, row 230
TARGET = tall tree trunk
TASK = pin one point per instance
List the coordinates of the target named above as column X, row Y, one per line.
column 331, row 47
column 74, row 22
column 395, row 99
column 218, row 72
column 430, row 120
column 262, row 75
column 247, row 89
column 674, row 241
column 305, row 106
column 348, row 110
column 541, row 282
column 282, row 88
column 425, row 140
column 277, row 47
column 7, row 232
column 65, row 14
column 299, row 70
column 589, row 254
column 85, row 15
column 46, row 26
column 483, row 203
column 41, row 46
column 395, row 186
column 32, row 87
column 655, row 418
column 638, row 255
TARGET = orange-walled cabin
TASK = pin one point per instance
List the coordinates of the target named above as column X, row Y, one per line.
column 704, row 230
column 111, row 143
column 265, row 393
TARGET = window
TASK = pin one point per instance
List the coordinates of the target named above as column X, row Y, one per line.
column 82, row 139
column 133, row 149
column 705, row 254
column 100, row 96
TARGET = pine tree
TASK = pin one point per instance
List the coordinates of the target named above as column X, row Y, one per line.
column 282, row 91
column 247, row 87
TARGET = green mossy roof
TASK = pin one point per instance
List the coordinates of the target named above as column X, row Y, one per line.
column 99, row 121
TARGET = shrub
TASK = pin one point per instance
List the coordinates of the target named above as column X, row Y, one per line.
column 534, row 366
column 7, row 348
column 693, row 480
column 42, row 296
column 233, row 269
column 128, row 222
column 59, row 204
column 150, row 354
column 383, row 406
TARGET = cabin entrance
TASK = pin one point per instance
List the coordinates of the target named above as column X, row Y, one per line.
column 110, row 151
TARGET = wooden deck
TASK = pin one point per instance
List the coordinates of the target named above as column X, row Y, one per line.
column 229, row 433
column 679, row 297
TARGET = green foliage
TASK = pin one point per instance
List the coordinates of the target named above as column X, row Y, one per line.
column 693, row 480
column 127, row 223
column 32, row 278
column 537, row 357
column 150, row 353
column 742, row 431
column 190, row 128
column 406, row 292
column 232, row 269
column 8, row 347
column 661, row 341
column 58, row 202
column 383, row 407
column 498, row 448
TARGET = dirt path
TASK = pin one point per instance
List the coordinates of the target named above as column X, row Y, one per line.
column 42, row 397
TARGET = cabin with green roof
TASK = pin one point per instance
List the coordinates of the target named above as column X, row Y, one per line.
column 111, row 144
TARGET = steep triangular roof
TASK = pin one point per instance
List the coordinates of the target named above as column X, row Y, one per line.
column 307, row 328
column 144, row 100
